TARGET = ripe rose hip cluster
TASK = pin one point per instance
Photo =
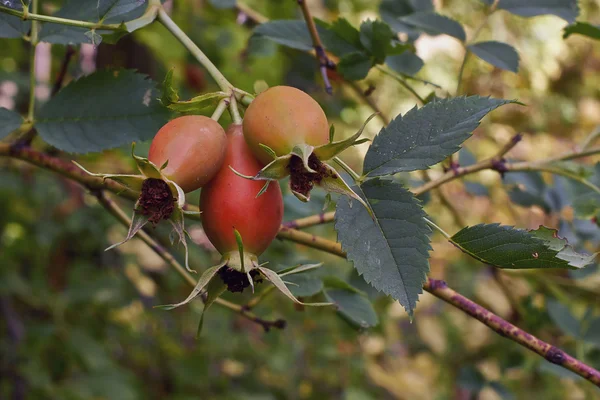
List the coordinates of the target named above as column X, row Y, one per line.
column 284, row 133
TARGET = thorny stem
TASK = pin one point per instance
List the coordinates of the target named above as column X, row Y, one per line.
column 168, row 258
column 324, row 61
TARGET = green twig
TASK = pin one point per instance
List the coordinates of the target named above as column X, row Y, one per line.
column 176, row 31
column 33, row 16
column 32, row 77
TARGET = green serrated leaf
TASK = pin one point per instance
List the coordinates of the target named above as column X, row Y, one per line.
column 507, row 247
column 290, row 33
column 100, row 111
column 392, row 10
column 423, row 137
column 355, row 308
column 10, row 121
column 12, row 27
column 105, row 11
column 434, row 24
column 355, row 66
column 407, row 63
column 391, row 250
column 561, row 246
column 376, row 37
column 565, row 9
column 498, row 54
column 341, row 38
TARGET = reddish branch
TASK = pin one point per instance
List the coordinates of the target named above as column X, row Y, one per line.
column 324, row 62
column 504, row 328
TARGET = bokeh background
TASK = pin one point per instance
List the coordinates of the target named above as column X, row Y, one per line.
column 78, row 323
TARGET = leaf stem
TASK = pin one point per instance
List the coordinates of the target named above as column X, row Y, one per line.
column 403, row 83
column 33, row 16
column 437, row 228
column 184, row 39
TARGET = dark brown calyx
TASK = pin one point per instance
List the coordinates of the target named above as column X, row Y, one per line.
column 237, row 281
column 156, row 200
column 302, row 181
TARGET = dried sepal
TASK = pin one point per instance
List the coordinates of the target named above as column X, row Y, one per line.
column 304, row 151
column 208, row 275
column 133, row 182
column 296, row 269
column 137, row 222
column 178, row 222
